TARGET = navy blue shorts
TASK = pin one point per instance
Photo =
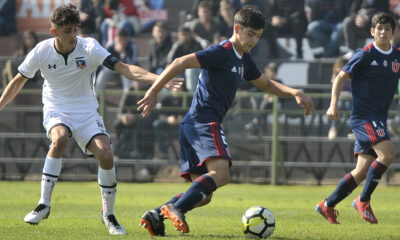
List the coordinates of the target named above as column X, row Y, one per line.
column 200, row 142
column 367, row 135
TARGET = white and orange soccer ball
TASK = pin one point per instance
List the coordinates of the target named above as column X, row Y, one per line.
column 258, row 222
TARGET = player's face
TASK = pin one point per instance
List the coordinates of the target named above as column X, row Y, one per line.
column 66, row 37
column 382, row 34
column 247, row 37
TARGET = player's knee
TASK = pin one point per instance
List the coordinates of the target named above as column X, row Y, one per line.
column 387, row 159
column 59, row 142
column 105, row 159
column 359, row 174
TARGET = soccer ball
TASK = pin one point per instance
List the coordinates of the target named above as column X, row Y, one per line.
column 258, row 222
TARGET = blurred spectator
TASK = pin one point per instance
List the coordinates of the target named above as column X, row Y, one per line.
column 205, row 26
column 119, row 14
column 214, row 5
column 29, row 41
column 166, row 125
column 326, row 26
column 285, row 17
column 357, row 25
column 226, row 15
column 159, row 47
column 92, row 14
column 345, row 98
column 7, row 17
column 124, row 49
column 258, row 125
column 186, row 44
column 134, row 134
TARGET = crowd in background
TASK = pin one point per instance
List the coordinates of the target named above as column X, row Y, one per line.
column 337, row 26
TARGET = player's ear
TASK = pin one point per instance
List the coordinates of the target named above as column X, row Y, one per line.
column 372, row 31
column 53, row 31
column 236, row 28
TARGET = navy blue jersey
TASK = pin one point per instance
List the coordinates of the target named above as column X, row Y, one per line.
column 222, row 69
column 374, row 74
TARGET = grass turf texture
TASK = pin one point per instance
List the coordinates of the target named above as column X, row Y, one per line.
column 76, row 207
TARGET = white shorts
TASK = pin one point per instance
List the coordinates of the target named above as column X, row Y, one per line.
column 83, row 127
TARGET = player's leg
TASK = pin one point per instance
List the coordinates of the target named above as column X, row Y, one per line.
column 199, row 193
column 101, row 148
column 374, row 174
column 59, row 135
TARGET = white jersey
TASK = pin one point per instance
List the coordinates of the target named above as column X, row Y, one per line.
column 68, row 85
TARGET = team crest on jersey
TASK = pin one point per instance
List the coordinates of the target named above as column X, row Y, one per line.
column 81, row 64
column 395, row 66
column 380, row 132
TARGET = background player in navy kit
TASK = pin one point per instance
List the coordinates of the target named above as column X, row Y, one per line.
column 205, row 158
column 374, row 71
column 67, row 63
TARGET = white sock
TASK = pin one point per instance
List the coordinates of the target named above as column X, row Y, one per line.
column 108, row 187
column 51, row 171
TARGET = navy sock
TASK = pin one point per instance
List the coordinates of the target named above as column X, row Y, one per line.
column 199, row 190
column 375, row 173
column 343, row 189
column 172, row 200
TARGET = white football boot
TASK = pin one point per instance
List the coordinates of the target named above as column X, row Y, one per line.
column 40, row 212
column 114, row 228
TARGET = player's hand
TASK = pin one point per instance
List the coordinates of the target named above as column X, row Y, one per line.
column 174, row 84
column 147, row 103
column 305, row 102
column 332, row 113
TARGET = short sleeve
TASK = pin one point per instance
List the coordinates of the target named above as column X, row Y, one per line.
column 251, row 71
column 99, row 54
column 30, row 65
column 212, row 57
column 355, row 62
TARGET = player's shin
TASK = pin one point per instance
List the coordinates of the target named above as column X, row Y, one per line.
column 201, row 187
column 51, row 171
column 108, row 187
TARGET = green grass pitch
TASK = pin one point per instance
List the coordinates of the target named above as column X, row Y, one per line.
column 76, row 206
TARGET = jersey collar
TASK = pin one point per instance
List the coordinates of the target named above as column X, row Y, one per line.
column 383, row 51
column 234, row 49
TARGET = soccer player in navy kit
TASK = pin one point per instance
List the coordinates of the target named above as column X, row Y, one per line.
column 68, row 64
column 374, row 71
column 205, row 159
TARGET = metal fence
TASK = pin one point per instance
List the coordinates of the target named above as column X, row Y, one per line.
column 277, row 145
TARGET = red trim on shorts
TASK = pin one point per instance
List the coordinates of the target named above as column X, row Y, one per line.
column 370, row 132
column 213, row 158
column 217, row 139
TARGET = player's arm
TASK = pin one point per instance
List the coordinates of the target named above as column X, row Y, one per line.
column 176, row 67
column 278, row 89
column 136, row 73
column 12, row 89
column 333, row 110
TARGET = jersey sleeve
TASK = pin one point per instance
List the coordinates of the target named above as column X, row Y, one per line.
column 99, row 53
column 30, row 65
column 354, row 63
column 251, row 71
column 212, row 57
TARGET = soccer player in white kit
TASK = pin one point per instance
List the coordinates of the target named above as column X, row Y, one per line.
column 68, row 64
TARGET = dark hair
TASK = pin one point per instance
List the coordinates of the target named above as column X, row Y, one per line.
column 24, row 49
column 383, row 18
column 250, row 17
column 161, row 24
column 122, row 33
column 184, row 29
column 204, row 4
column 65, row 15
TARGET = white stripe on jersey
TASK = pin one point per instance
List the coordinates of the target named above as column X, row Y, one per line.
column 68, row 85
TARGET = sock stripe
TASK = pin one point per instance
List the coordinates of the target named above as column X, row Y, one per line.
column 108, row 186
column 350, row 181
column 49, row 175
column 379, row 167
column 207, row 183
